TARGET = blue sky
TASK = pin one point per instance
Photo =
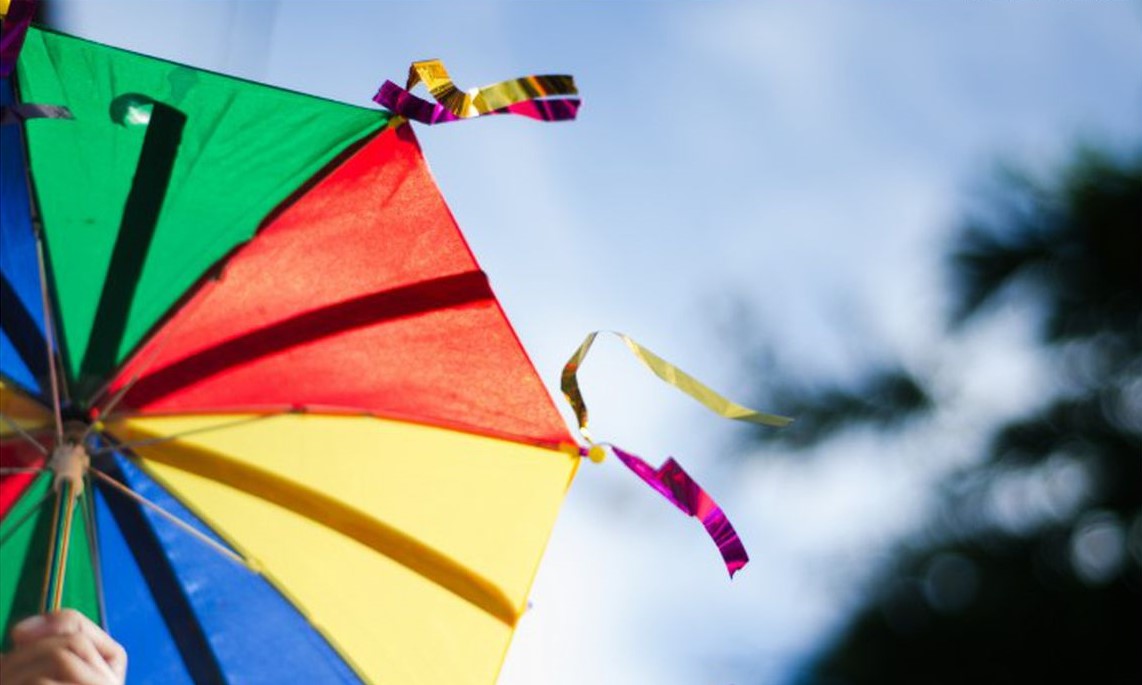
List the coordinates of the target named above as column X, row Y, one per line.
column 803, row 161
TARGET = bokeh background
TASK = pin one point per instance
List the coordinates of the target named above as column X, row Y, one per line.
column 915, row 226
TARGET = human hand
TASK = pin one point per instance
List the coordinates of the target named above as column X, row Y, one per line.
column 62, row 648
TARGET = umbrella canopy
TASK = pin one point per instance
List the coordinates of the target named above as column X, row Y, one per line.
column 292, row 436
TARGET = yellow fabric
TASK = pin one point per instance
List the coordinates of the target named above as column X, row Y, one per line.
column 22, row 410
column 485, row 506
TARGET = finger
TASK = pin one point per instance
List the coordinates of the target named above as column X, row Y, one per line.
column 69, row 621
column 52, row 660
column 43, row 625
column 116, row 658
column 110, row 651
column 85, row 648
column 59, row 652
column 30, row 629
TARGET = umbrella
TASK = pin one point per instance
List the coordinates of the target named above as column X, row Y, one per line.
column 291, row 435
column 263, row 417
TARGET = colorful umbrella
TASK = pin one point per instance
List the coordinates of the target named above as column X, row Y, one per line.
column 296, row 437
column 263, row 417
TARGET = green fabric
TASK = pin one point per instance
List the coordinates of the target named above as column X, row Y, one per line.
column 25, row 537
column 232, row 150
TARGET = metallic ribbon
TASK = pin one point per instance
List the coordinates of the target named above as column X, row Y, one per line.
column 545, row 97
column 17, row 18
column 667, row 372
column 673, row 483
column 670, row 480
column 18, row 114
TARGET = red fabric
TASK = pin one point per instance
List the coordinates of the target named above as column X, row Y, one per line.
column 360, row 296
column 16, row 453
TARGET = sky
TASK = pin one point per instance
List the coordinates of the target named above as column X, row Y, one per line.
column 740, row 172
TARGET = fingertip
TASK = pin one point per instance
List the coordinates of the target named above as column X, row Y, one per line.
column 29, row 628
column 68, row 617
column 61, row 622
column 117, row 660
column 68, row 621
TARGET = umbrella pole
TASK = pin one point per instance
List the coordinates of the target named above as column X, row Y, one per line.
column 69, row 463
column 62, row 516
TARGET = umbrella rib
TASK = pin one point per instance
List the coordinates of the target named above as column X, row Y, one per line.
column 111, row 404
column 23, row 433
column 93, row 546
column 186, row 527
column 147, row 543
column 148, row 442
column 49, row 337
column 67, row 496
column 160, row 342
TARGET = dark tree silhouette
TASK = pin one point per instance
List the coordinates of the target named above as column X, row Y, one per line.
column 1051, row 591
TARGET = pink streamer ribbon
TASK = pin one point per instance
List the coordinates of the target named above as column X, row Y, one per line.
column 16, row 23
column 673, row 483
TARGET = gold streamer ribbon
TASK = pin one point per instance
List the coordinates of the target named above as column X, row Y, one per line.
column 669, row 373
column 477, row 101
column 546, row 98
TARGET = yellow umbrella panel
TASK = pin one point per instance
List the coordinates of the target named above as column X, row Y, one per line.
column 460, row 520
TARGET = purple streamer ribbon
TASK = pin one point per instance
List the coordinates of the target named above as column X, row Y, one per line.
column 16, row 23
column 673, row 483
column 18, row 114
column 399, row 101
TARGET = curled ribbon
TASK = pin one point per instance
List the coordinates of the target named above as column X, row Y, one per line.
column 670, row 480
column 546, row 97
column 673, row 375
column 673, row 483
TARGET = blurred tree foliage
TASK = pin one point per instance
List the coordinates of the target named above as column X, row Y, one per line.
column 1032, row 569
